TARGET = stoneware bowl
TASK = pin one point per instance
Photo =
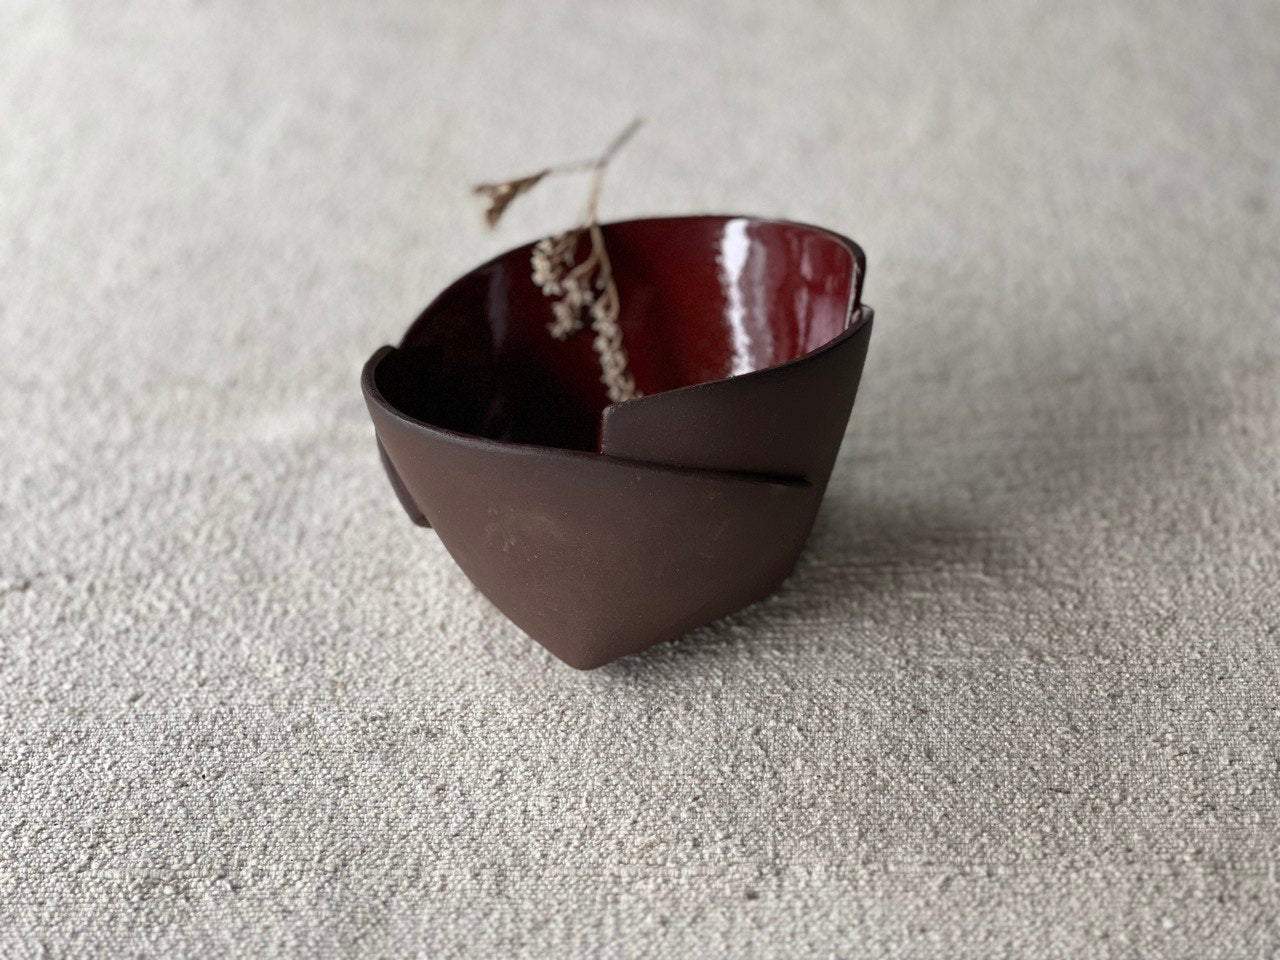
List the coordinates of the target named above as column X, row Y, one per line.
column 601, row 529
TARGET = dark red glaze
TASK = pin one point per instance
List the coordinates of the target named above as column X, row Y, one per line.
column 601, row 529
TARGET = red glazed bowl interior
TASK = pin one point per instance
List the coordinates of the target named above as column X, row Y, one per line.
column 702, row 298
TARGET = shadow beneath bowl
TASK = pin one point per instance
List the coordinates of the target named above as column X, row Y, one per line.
column 862, row 567
column 990, row 510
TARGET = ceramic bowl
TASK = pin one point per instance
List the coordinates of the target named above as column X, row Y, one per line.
column 601, row 529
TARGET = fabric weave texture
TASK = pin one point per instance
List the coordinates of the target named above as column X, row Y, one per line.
column 1021, row 697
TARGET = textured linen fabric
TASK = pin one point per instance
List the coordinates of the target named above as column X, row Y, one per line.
column 1020, row 697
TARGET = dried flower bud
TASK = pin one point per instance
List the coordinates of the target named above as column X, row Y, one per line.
column 568, row 320
column 577, row 294
column 547, row 273
column 501, row 194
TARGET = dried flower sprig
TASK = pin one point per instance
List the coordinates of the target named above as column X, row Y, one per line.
column 581, row 286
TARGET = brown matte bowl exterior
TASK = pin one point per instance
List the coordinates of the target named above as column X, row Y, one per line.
column 601, row 529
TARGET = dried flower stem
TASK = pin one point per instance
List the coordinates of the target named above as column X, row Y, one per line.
column 583, row 286
column 604, row 321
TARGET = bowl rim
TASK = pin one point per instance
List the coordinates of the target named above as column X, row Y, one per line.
column 857, row 314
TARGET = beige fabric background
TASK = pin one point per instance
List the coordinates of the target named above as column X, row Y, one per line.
column 1020, row 697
